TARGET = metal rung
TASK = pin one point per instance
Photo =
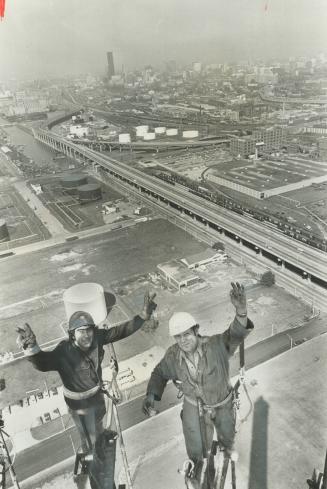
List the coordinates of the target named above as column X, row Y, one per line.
column 224, row 473
column 233, row 474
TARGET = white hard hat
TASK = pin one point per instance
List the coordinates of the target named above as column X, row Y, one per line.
column 180, row 322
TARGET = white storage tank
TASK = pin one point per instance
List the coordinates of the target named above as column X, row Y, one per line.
column 190, row 134
column 160, row 130
column 141, row 131
column 88, row 297
column 149, row 136
column 171, row 132
column 142, row 128
column 124, row 138
column 140, row 134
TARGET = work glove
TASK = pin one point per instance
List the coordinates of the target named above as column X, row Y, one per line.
column 148, row 405
column 113, row 368
column 149, row 306
column 26, row 338
column 238, row 297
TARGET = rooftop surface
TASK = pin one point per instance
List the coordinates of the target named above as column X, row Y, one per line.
column 282, row 441
column 269, row 174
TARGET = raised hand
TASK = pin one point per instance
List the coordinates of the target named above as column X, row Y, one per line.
column 26, row 338
column 149, row 306
column 238, row 297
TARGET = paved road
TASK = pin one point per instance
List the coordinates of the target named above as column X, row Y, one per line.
column 59, row 447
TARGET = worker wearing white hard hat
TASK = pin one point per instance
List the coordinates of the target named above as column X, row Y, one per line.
column 180, row 322
column 200, row 366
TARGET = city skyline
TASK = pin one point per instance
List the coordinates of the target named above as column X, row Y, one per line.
column 39, row 39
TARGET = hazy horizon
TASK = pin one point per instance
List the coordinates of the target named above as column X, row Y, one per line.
column 47, row 37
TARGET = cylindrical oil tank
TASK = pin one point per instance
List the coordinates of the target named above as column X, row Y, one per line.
column 171, row 132
column 190, row 134
column 89, row 192
column 124, row 138
column 141, row 134
column 141, row 131
column 87, row 297
column 4, row 233
column 74, row 180
column 142, row 128
column 149, row 136
column 160, row 130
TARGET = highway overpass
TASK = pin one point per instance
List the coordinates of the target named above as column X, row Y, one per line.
column 293, row 100
column 271, row 243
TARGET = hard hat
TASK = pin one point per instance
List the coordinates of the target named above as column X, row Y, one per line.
column 180, row 322
column 80, row 319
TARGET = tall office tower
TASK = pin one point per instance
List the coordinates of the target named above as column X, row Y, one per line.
column 111, row 68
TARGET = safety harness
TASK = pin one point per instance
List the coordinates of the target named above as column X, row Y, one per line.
column 236, row 389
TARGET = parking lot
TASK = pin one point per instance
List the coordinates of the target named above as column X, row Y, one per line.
column 23, row 226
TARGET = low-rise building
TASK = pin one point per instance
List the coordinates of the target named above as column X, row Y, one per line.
column 204, row 258
column 176, row 274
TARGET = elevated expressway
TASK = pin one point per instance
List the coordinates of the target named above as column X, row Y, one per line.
column 149, row 146
column 293, row 100
column 308, row 262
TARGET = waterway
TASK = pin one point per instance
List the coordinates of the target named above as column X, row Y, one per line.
column 32, row 148
column 42, row 155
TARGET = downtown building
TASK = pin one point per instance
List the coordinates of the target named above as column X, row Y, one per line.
column 111, row 66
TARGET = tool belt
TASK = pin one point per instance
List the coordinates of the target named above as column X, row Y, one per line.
column 78, row 396
column 209, row 407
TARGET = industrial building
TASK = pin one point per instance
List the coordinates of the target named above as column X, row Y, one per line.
column 316, row 129
column 272, row 138
column 176, row 274
column 243, row 146
column 204, row 258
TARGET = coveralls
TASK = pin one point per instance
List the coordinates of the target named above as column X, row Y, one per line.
column 209, row 380
column 81, row 375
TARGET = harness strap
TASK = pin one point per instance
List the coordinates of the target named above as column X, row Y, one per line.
column 77, row 396
column 208, row 407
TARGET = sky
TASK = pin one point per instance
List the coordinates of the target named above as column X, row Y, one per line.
column 58, row 37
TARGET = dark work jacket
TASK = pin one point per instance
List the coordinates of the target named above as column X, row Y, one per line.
column 212, row 383
column 78, row 370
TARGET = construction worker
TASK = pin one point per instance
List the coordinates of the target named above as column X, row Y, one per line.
column 200, row 367
column 78, row 362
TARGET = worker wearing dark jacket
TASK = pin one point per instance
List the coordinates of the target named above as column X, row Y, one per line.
column 78, row 362
column 200, row 366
